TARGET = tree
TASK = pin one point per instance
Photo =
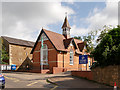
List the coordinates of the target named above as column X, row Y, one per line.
column 88, row 39
column 79, row 37
column 103, row 32
column 107, row 51
column 3, row 53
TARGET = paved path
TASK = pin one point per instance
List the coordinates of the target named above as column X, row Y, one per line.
column 69, row 81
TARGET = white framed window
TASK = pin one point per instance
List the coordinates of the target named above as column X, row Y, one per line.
column 71, row 57
column 71, row 43
column 44, row 54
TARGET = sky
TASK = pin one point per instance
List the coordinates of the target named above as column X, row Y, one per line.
column 24, row 20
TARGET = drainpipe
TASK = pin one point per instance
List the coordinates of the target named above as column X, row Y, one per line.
column 63, row 60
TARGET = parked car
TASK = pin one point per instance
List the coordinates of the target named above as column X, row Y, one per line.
column 2, row 81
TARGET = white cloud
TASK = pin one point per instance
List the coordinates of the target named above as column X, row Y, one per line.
column 98, row 18
column 78, row 31
column 25, row 19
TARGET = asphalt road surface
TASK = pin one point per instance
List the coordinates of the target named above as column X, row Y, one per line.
column 27, row 80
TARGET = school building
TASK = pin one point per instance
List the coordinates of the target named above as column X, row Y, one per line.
column 19, row 52
column 56, row 53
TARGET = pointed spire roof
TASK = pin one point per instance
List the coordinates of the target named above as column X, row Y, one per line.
column 66, row 23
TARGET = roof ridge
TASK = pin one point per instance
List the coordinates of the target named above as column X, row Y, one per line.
column 52, row 32
column 17, row 39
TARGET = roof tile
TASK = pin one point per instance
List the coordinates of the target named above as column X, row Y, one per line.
column 18, row 41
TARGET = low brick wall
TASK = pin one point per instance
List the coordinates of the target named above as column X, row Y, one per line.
column 58, row 70
column 84, row 74
column 108, row 75
column 45, row 71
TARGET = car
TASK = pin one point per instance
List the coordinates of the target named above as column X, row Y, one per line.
column 2, row 81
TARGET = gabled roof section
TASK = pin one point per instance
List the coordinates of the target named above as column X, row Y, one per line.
column 59, row 42
column 18, row 41
column 77, row 41
column 55, row 38
column 67, row 42
column 66, row 23
column 81, row 46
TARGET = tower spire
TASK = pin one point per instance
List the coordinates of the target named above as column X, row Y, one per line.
column 66, row 23
column 66, row 27
column 65, row 14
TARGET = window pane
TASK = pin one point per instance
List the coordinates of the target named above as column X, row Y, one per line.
column 71, row 57
column 45, row 54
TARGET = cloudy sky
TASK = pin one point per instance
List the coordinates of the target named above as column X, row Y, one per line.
column 24, row 20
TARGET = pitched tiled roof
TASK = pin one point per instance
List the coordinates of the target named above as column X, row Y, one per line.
column 58, row 41
column 18, row 41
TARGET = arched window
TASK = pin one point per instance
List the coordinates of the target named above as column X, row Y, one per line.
column 71, row 57
column 44, row 54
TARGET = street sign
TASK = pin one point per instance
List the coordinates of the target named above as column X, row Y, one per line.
column 13, row 67
column 83, row 59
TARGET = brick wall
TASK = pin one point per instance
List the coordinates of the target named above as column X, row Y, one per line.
column 66, row 60
column 84, row 74
column 108, row 75
column 18, row 54
column 52, row 56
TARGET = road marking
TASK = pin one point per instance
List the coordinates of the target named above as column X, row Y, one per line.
column 16, row 80
column 54, row 88
column 32, row 83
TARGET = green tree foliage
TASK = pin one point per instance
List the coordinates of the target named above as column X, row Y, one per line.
column 3, row 53
column 88, row 39
column 79, row 37
column 103, row 32
column 107, row 51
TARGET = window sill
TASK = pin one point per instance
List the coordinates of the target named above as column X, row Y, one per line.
column 71, row 64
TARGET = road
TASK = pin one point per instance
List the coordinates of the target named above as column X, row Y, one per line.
column 27, row 80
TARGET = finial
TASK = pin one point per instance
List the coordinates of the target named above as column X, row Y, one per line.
column 65, row 14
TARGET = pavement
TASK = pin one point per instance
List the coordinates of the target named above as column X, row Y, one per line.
column 69, row 81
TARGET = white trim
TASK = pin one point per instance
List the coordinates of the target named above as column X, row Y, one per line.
column 39, row 50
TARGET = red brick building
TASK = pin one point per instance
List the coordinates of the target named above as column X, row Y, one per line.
column 59, row 52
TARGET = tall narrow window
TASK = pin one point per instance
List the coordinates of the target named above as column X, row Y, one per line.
column 71, row 57
column 44, row 52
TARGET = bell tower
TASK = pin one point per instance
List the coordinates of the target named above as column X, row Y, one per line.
column 66, row 28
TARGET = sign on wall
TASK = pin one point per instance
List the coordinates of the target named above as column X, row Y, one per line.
column 83, row 59
column 7, row 67
column 13, row 67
